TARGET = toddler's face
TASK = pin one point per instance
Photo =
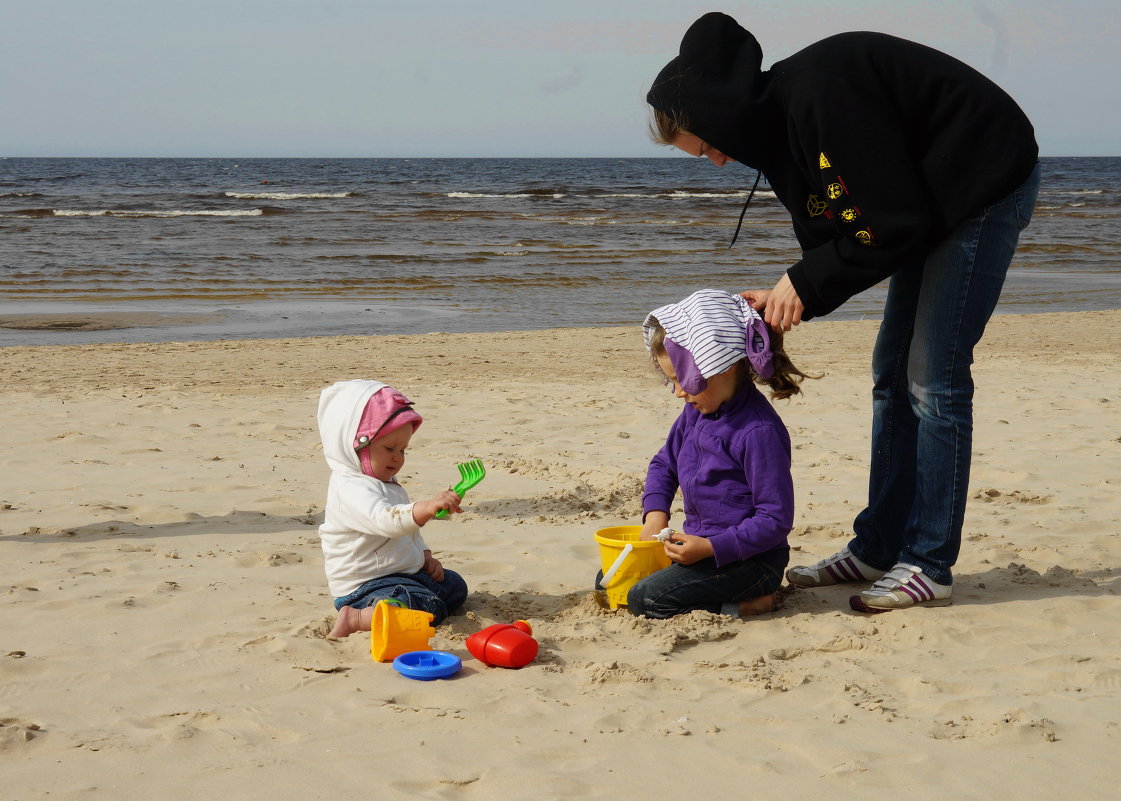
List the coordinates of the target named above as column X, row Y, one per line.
column 721, row 387
column 387, row 454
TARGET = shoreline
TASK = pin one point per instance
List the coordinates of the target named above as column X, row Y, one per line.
column 82, row 323
column 844, row 343
column 117, row 325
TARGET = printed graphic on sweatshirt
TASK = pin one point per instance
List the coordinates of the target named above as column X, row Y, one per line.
column 823, row 161
column 842, row 212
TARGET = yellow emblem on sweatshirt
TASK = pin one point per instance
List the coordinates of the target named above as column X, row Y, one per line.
column 816, row 206
column 823, row 161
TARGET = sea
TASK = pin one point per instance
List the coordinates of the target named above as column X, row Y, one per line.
column 226, row 248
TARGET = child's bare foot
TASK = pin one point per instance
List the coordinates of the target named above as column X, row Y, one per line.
column 761, row 605
column 351, row 620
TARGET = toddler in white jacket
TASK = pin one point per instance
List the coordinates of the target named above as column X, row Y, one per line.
column 372, row 546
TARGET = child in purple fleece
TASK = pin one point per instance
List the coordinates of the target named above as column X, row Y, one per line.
column 729, row 454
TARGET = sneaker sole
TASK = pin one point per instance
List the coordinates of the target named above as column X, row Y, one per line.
column 857, row 604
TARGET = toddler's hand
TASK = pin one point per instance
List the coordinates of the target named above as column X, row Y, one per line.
column 423, row 511
column 433, row 567
column 447, row 500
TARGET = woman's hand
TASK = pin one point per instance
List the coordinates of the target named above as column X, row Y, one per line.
column 783, row 306
column 432, row 567
column 691, row 549
column 757, row 298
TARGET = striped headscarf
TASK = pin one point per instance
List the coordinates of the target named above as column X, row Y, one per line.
column 707, row 333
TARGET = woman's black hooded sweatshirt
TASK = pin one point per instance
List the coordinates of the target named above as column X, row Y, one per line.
column 877, row 146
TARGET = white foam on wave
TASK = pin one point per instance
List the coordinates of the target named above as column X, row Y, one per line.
column 686, row 195
column 288, row 195
column 157, row 213
column 557, row 195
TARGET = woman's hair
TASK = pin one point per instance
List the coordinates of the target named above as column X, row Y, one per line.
column 784, row 383
column 664, row 126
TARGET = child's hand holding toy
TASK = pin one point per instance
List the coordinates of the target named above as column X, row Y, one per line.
column 687, row 549
column 682, row 548
column 446, row 501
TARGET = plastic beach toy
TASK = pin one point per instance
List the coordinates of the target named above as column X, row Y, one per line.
column 504, row 645
column 471, row 473
column 625, row 560
column 396, row 629
column 427, row 665
column 605, row 579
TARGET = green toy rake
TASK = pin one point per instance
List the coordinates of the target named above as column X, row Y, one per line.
column 471, row 473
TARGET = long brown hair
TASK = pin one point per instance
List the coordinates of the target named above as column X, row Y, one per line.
column 786, row 381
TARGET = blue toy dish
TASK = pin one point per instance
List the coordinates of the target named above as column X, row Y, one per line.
column 427, row 665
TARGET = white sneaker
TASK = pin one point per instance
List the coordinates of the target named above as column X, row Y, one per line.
column 839, row 568
column 903, row 586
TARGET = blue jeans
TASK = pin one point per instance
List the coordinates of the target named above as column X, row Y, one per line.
column 679, row 589
column 415, row 590
column 922, row 395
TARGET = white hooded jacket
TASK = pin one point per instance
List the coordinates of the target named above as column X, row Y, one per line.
column 368, row 529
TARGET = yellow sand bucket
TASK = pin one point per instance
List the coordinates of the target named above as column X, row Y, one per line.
column 625, row 560
column 397, row 630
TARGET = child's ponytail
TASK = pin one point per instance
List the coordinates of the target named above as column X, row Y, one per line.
column 787, row 378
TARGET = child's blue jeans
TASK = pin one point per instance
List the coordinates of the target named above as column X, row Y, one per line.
column 922, row 394
column 415, row 590
column 680, row 589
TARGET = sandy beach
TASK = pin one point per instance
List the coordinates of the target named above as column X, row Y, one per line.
column 165, row 608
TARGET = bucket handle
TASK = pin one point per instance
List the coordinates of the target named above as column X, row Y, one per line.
column 611, row 571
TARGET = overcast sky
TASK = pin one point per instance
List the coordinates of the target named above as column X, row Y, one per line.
column 451, row 78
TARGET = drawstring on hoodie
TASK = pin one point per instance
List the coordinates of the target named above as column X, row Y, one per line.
column 743, row 211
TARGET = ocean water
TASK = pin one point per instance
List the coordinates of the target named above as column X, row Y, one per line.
column 308, row 247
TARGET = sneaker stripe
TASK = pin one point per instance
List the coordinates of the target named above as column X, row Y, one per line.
column 912, row 594
column 917, row 589
column 839, row 568
column 926, row 588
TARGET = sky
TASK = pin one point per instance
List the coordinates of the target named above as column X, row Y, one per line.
column 451, row 78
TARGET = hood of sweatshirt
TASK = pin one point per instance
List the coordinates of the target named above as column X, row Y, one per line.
column 354, row 413
column 717, row 89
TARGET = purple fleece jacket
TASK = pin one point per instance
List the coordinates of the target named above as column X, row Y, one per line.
column 733, row 468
